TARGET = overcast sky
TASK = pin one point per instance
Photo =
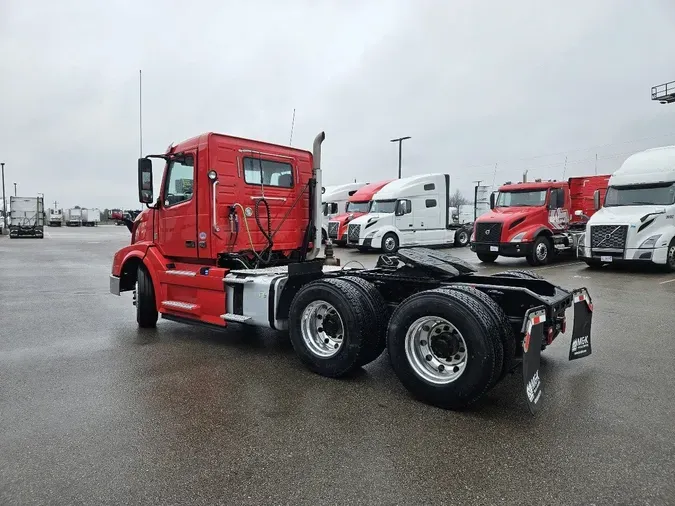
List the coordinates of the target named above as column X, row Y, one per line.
column 518, row 83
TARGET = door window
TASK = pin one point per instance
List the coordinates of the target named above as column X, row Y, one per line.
column 179, row 181
column 267, row 172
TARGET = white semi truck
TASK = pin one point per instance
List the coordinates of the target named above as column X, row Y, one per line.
column 412, row 211
column 55, row 217
column 637, row 221
column 27, row 217
column 334, row 201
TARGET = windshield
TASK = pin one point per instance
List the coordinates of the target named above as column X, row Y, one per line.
column 532, row 198
column 383, row 206
column 661, row 194
column 358, row 207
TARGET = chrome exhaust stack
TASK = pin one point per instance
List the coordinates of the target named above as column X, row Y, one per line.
column 316, row 204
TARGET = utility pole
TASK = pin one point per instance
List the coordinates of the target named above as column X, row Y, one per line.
column 400, row 144
column 4, row 200
column 140, row 111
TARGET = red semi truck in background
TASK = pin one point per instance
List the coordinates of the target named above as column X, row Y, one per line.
column 536, row 220
column 358, row 205
column 235, row 236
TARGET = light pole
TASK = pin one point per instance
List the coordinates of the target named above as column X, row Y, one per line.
column 4, row 200
column 15, row 189
column 400, row 145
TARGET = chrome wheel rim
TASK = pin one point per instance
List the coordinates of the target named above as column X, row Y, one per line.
column 463, row 236
column 541, row 251
column 671, row 256
column 322, row 329
column 389, row 243
column 436, row 350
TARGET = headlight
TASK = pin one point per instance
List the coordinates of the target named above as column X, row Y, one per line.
column 518, row 237
column 650, row 242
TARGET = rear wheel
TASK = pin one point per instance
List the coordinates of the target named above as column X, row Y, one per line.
column 442, row 347
column 378, row 329
column 541, row 252
column 146, row 305
column 487, row 258
column 461, row 238
column 330, row 325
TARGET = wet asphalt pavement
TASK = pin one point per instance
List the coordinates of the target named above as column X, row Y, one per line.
column 95, row 411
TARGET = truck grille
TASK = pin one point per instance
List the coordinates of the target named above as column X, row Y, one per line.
column 353, row 232
column 488, row 232
column 333, row 227
column 609, row 236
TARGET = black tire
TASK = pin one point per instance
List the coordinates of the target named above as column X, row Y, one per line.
column 519, row 273
column 506, row 334
column 390, row 243
column 146, row 305
column 462, row 238
column 472, row 319
column 380, row 310
column 670, row 257
column 593, row 264
column 541, row 253
column 356, row 315
column 488, row 258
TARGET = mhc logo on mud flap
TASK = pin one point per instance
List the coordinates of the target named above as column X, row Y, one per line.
column 532, row 388
column 558, row 218
column 580, row 345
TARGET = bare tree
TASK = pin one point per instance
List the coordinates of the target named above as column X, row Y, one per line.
column 457, row 199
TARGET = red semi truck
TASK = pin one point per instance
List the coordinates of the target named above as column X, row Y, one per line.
column 234, row 239
column 536, row 220
column 358, row 205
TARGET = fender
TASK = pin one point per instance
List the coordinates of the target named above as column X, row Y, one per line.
column 531, row 234
column 379, row 233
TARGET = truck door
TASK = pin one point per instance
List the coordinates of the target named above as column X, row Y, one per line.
column 404, row 221
column 558, row 217
column 178, row 210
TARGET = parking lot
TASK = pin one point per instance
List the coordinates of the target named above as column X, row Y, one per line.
column 95, row 411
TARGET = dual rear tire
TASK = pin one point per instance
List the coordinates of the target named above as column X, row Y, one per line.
column 448, row 346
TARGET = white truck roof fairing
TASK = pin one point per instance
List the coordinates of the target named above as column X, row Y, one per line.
column 340, row 192
column 410, row 186
column 656, row 165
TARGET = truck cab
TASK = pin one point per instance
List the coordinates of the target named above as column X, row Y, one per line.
column 358, row 205
column 535, row 220
column 637, row 222
column 334, row 201
column 412, row 211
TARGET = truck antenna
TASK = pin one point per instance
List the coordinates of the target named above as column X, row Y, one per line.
column 290, row 142
column 140, row 111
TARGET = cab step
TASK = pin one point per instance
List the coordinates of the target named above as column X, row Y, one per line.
column 231, row 317
column 176, row 305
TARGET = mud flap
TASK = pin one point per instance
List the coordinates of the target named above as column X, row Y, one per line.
column 580, row 346
column 534, row 334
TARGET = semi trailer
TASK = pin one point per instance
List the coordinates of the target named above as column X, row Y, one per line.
column 73, row 217
column 27, row 217
column 220, row 247
column 91, row 217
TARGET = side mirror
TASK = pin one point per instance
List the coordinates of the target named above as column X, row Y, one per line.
column 492, row 201
column 596, row 200
column 145, row 181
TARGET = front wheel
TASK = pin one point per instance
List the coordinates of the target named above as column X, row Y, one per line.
column 146, row 306
column 461, row 238
column 670, row 257
column 390, row 243
column 541, row 252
